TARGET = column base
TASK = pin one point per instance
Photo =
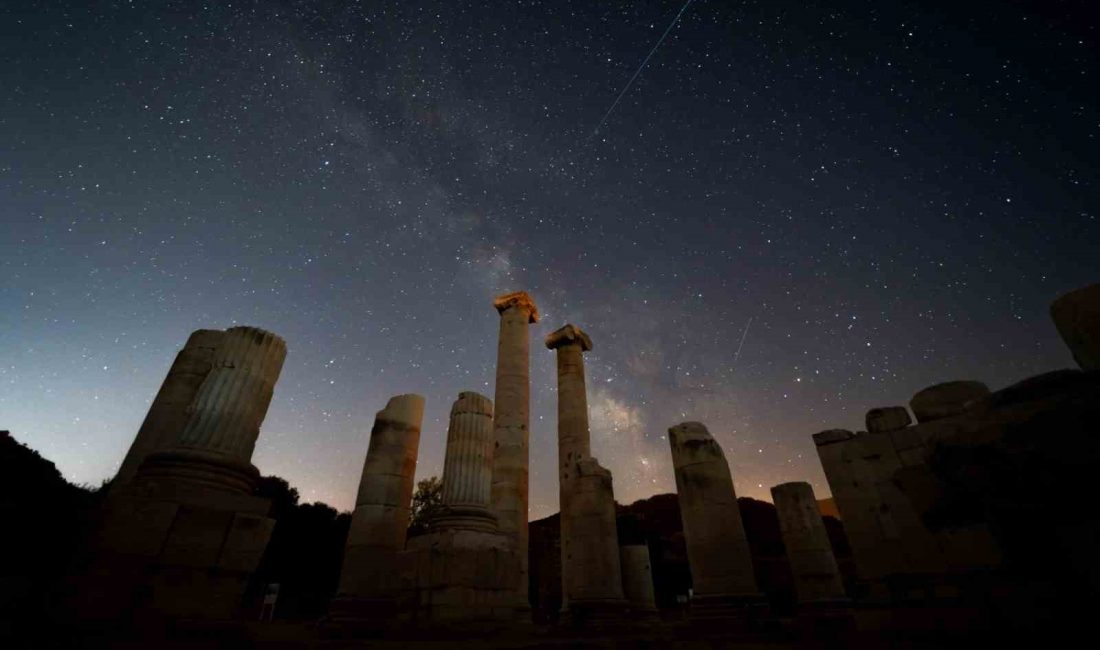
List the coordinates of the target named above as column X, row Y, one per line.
column 597, row 614
column 746, row 611
column 168, row 551
column 208, row 470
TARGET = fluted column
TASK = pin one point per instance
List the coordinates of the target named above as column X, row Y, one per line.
column 233, row 399
column 511, row 426
column 168, row 414
column 718, row 551
column 590, row 568
column 468, row 464
column 383, row 506
column 816, row 576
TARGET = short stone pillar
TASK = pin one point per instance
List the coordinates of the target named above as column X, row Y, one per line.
column 816, row 576
column 591, row 575
column 637, row 579
column 181, row 539
column 380, row 521
column 463, row 568
column 468, row 464
column 511, row 427
column 946, row 400
column 1077, row 317
column 168, row 413
column 718, row 551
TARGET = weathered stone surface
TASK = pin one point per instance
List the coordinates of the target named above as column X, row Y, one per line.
column 830, row 436
column 887, row 418
column 511, row 426
column 183, row 536
column 637, row 578
column 718, row 550
column 168, row 413
column 468, row 464
column 816, row 575
column 382, row 508
column 1077, row 317
column 591, row 575
column 946, row 399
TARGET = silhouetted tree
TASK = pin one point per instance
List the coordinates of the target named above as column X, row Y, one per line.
column 426, row 503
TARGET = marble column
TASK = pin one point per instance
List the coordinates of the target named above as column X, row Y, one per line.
column 1077, row 317
column 468, row 464
column 637, row 578
column 383, row 506
column 511, row 426
column 718, row 551
column 168, row 413
column 215, row 447
column 589, row 540
column 816, row 576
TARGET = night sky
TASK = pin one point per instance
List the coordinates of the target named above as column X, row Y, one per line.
column 872, row 196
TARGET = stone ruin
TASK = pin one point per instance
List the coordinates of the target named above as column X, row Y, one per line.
column 180, row 532
column 937, row 540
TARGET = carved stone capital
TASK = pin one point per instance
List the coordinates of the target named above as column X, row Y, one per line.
column 520, row 299
column 567, row 335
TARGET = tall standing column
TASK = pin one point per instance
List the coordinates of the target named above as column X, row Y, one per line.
column 168, row 413
column 215, row 447
column 468, row 464
column 590, row 568
column 511, row 427
column 816, row 576
column 637, row 578
column 383, row 507
column 718, row 551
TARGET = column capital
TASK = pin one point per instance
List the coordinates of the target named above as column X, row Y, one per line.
column 566, row 335
column 520, row 299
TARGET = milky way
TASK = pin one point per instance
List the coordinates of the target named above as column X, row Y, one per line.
column 891, row 195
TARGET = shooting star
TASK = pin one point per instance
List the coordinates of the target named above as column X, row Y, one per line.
column 744, row 335
column 639, row 70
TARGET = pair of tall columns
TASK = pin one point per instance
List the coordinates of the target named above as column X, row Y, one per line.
column 590, row 563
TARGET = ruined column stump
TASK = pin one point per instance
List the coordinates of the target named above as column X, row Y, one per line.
column 722, row 575
column 464, row 569
column 638, row 580
column 182, row 538
column 370, row 581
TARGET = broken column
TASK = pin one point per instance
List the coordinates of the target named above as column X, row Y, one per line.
column 637, row 579
column 718, row 551
column 368, row 578
column 468, row 464
column 591, row 575
column 182, row 538
column 463, row 568
column 168, row 413
column 512, row 423
column 1077, row 317
column 816, row 576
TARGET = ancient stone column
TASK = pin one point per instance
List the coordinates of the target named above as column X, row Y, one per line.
column 468, row 464
column 589, row 539
column 816, row 576
column 215, row 447
column 591, row 561
column 1077, row 317
column 637, row 578
column 718, row 551
column 512, row 422
column 168, row 414
column 383, row 506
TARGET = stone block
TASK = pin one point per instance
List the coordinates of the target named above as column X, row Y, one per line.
column 196, row 537
column 887, row 418
column 1077, row 317
column 245, row 543
column 946, row 399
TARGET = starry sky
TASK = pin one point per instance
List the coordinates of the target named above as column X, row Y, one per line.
column 799, row 211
